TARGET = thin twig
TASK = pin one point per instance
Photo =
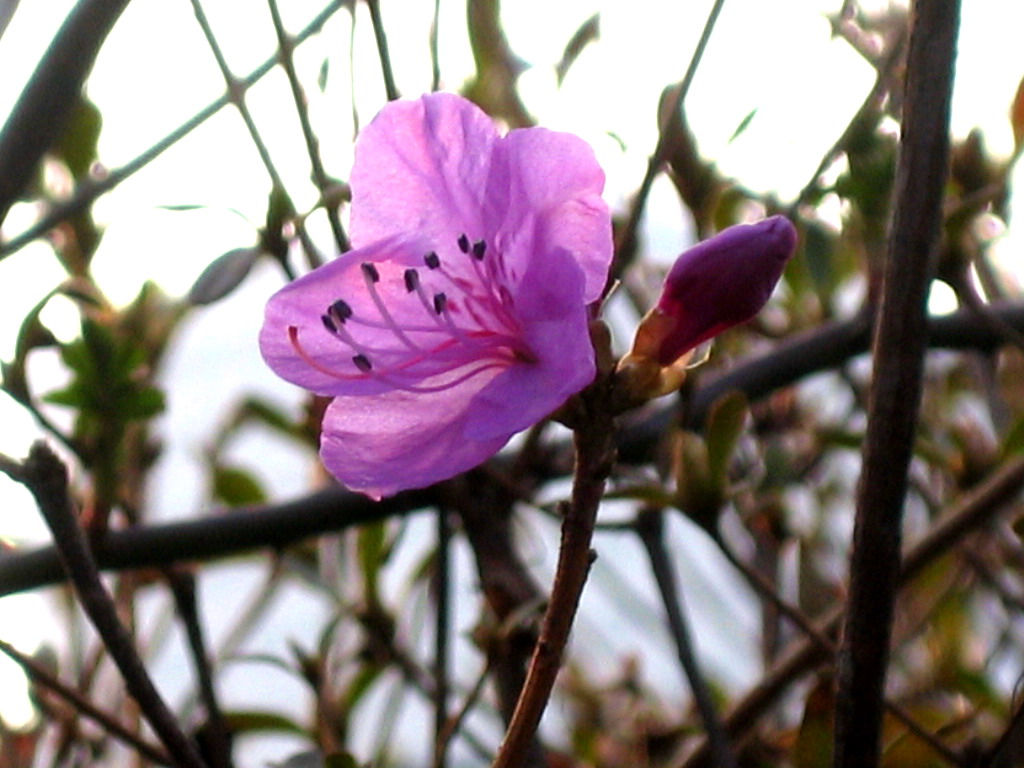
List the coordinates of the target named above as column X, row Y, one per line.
column 454, row 723
column 41, row 677
column 286, row 45
column 44, row 107
column 805, row 625
column 435, row 59
column 216, row 732
column 382, row 49
column 593, row 439
column 625, row 242
column 974, row 510
column 900, row 342
column 650, row 529
column 45, row 476
column 442, row 599
column 89, row 190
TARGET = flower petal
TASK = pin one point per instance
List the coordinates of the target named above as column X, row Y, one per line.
column 298, row 345
column 396, row 441
column 551, row 183
column 549, row 304
column 422, row 166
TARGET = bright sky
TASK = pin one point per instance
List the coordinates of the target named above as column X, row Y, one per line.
column 155, row 72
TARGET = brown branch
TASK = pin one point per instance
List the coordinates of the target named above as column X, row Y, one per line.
column 44, row 107
column 900, row 342
column 45, row 476
column 41, row 677
column 593, row 438
column 975, row 510
column 222, row 533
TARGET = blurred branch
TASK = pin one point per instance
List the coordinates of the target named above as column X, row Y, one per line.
column 900, row 342
column 276, row 526
column 86, row 193
column 512, row 595
column 45, row 476
column 625, row 243
column 872, row 104
column 215, row 736
column 382, row 49
column 42, row 678
column 650, row 527
column 974, row 510
column 286, row 44
column 43, row 109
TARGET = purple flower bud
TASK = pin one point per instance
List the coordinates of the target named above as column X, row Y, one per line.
column 721, row 282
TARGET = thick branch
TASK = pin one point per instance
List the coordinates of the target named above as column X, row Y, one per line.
column 45, row 105
column 220, row 534
column 899, row 348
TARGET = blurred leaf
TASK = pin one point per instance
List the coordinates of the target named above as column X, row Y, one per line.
column 697, row 496
column 339, row 760
column 813, row 747
column 322, row 74
column 819, row 246
column 237, row 487
column 696, row 180
column 370, row 551
column 1013, row 443
column 223, row 275
column 1017, row 115
column 588, row 32
column 106, row 386
column 254, row 721
column 31, row 335
column 279, row 211
column 497, row 66
column 742, row 127
column 77, row 145
column 725, row 424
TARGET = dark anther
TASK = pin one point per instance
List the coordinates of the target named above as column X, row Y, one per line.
column 362, row 363
column 463, row 243
column 478, row 250
column 412, row 280
column 329, row 324
column 440, row 302
column 340, row 310
column 432, row 260
column 371, row 272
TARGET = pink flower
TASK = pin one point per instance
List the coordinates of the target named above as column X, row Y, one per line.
column 460, row 318
column 718, row 283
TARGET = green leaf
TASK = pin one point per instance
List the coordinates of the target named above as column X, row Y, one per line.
column 237, row 487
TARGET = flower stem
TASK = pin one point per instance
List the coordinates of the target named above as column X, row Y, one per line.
column 593, row 439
